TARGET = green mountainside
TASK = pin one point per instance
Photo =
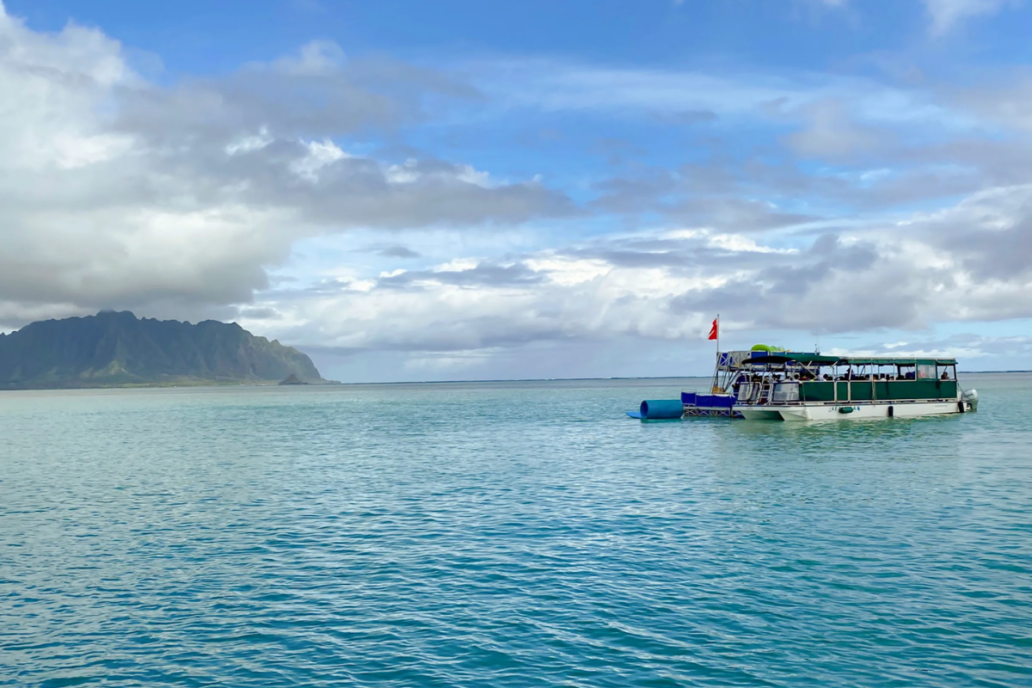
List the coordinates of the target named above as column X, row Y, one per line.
column 117, row 349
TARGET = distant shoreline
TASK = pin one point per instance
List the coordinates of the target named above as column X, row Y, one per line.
column 171, row 385
column 334, row 383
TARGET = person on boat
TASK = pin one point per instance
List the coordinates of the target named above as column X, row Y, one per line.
column 945, row 376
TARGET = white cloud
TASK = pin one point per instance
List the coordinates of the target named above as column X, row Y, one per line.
column 555, row 85
column 946, row 14
column 314, row 58
column 320, row 154
column 664, row 286
column 566, row 271
column 115, row 192
column 249, row 142
column 737, row 242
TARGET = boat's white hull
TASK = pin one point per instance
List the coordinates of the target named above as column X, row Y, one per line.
column 804, row 412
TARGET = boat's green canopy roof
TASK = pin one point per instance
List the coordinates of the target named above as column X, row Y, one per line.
column 818, row 359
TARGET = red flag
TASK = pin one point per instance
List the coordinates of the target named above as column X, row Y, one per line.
column 713, row 330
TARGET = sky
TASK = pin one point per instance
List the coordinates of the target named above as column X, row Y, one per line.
column 458, row 189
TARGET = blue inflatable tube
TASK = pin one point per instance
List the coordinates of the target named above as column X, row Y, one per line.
column 668, row 409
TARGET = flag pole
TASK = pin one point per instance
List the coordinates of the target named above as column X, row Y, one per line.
column 716, row 368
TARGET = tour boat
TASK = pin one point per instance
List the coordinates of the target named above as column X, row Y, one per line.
column 799, row 387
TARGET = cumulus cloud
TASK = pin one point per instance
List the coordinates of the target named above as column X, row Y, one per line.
column 116, row 192
column 969, row 347
column 946, row 14
column 665, row 285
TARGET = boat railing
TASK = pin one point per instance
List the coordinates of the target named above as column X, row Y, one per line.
column 775, row 391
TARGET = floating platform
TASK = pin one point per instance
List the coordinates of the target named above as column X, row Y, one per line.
column 698, row 405
column 690, row 405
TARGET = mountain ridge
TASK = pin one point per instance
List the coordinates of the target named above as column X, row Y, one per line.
column 117, row 349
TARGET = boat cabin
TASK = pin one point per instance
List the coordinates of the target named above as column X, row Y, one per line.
column 795, row 378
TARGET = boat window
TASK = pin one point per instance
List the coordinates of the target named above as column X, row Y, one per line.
column 786, row 391
column 926, row 372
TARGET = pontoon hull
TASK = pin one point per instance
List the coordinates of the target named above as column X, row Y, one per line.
column 899, row 409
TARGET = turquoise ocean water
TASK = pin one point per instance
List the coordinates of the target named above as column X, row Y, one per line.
column 519, row 534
